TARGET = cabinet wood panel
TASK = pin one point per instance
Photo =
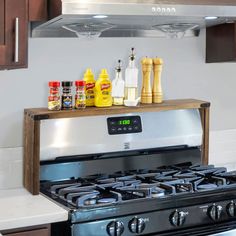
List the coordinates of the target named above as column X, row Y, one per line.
column 221, row 43
column 38, row 10
column 2, row 24
column 55, row 8
column 40, row 232
column 14, row 33
column 16, row 9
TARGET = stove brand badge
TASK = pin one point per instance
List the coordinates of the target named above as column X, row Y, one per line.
column 126, row 146
column 164, row 10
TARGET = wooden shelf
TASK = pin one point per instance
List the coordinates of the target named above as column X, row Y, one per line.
column 33, row 117
column 44, row 113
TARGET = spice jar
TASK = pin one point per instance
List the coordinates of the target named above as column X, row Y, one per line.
column 80, row 96
column 66, row 98
column 54, row 102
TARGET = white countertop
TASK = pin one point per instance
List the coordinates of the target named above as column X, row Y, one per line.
column 19, row 208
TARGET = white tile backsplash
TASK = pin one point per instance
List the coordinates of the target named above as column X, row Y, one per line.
column 222, row 148
column 222, row 153
column 11, row 168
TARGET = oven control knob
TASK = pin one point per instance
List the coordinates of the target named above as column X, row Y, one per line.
column 115, row 228
column 137, row 225
column 177, row 218
column 231, row 209
column 214, row 212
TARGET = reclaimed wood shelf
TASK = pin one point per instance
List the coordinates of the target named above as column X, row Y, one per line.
column 44, row 113
column 33, row 117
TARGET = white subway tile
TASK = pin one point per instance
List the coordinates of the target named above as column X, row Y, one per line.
column 11, row 168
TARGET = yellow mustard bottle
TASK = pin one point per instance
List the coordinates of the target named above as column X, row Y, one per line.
column 103, row 90
column 90, row 87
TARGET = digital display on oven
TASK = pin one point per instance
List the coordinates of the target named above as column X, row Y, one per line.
column 124, row 122
column 124, row 125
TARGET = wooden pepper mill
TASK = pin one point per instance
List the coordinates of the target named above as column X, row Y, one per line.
column 157, row 95
column 146, row 93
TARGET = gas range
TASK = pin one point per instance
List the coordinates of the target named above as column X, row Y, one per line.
column 157, row 201
column 120, row 187
column 119, row 180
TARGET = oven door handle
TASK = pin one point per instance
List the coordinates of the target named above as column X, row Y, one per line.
column 225, row 233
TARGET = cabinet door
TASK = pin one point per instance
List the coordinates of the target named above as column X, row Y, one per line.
column 2, row 33
column 14, row 34
column 221, row 43
column 2, row 21
column 39, row 232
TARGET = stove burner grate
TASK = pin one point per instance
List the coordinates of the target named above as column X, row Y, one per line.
column 162, row 182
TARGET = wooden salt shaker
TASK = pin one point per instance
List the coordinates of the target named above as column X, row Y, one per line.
column 146, row 94
column 157, row 95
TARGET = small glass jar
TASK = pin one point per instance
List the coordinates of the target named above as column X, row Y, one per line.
column 66, row 98
column 80, row 96
column 54, row 101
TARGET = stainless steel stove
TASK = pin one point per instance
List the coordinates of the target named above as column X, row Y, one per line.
column 135, row 174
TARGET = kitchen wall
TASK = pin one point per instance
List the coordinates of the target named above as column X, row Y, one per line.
column 185, row 75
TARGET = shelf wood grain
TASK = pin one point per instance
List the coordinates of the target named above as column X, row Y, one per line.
column 44, row 113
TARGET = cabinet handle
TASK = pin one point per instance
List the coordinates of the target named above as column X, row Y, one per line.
column 16, row 59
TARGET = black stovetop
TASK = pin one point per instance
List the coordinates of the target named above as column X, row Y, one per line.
column 136, row 186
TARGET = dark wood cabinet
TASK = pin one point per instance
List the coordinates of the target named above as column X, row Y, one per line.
column 43, row 230
column 39, row 232
column 38, row 10
column 221, row 43
column 13, row 34
column 2, row 22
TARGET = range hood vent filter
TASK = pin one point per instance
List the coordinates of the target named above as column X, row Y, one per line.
column 176, row 31
column 88, row 29
column 134, row 18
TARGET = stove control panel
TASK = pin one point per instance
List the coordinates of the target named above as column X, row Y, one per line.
column 160, row 221
column 124, row 125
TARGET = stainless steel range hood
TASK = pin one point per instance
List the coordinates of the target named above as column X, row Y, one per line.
column 136, row 18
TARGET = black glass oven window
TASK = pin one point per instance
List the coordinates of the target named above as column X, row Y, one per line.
column 124, row 125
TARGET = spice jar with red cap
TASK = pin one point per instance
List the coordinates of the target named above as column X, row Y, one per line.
column 54, row 101
column 80, row 96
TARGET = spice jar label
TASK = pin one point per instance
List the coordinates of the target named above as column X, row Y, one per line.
column 67, row 102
